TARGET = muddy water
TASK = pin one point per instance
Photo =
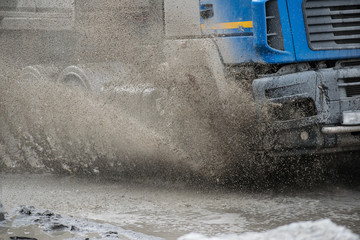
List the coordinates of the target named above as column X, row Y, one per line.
column 170, row 211
column 50, row 127
column 31, row 231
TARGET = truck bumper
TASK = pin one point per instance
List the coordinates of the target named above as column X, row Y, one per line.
column 302, row 113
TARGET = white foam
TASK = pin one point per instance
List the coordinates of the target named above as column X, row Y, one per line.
column 315, row 230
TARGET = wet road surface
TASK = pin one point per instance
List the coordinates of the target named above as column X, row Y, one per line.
column 170, row 211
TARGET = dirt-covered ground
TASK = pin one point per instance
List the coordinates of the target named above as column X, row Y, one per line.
column 168, row 210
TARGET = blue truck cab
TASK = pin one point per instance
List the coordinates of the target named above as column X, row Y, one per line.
column 311, row 104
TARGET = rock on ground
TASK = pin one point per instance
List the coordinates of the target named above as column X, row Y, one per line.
column 52, row 224
column 2, row 213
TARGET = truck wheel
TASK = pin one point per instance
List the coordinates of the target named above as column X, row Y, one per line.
column 39, row 73
column 95, row 76
column 74, row 76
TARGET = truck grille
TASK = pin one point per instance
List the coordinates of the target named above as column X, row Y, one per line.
column 332, row 24
column 351, row 85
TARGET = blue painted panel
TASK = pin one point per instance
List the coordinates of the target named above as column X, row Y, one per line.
column 226, row 11
column 268, row 54
column 249, row 43
column 302, row 50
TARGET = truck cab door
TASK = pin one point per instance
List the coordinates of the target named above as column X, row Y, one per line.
column 226, row 17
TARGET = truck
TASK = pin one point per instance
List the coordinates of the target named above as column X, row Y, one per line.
column 296, row 61
column 309, row 103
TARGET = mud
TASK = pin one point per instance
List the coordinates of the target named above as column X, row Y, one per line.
column 187, row 131
column 189, row 137
column 32, row 224
column 172, row 210
column 50, row 125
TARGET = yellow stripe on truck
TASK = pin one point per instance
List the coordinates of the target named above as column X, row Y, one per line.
column 231, row 25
